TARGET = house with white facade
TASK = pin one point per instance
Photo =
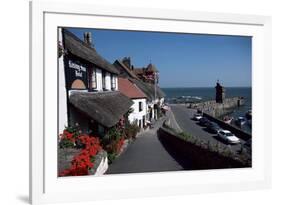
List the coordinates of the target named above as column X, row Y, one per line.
column 88, row 86
column 147, row 84
column 139, row 108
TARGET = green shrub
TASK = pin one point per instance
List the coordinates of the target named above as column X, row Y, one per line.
column 64, row 143
column 185, row 136
column 111, row 157
column 131, row 130
column 69, row 136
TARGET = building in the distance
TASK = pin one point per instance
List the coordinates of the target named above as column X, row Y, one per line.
column 147, row 74
column 139, row 108
column 147, row 83
column 88, row 86
column 220, row 93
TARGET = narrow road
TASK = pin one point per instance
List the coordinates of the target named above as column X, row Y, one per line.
column 184, row 116
column 145, row 154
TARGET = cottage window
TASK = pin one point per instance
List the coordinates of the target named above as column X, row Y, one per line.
column 93, row 80
column 113, row 82
column 103, row 80
column 140, row 106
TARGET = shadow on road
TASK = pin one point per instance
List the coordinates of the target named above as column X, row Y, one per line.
column 209, row 131
column 185, row 162
column 199, row 124
column 220, row 140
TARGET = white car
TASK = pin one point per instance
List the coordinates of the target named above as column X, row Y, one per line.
column 197, row 116
column 228, row 137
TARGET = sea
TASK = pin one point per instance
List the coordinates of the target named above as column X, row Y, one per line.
column 182, row 95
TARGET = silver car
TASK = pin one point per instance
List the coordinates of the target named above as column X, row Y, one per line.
column 228, row 137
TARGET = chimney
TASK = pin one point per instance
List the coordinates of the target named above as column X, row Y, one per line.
column 127, row 61
column 88, row 38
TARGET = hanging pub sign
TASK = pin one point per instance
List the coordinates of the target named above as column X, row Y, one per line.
column 76, row 74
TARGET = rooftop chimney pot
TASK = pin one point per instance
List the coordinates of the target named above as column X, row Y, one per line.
column 88, row 38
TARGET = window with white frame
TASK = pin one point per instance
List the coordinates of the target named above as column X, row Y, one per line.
column 113, row 82
column 140, row 106
column 93, row 80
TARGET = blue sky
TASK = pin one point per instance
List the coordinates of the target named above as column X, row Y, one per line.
column 183, row 60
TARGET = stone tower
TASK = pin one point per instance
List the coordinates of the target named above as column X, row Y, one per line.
column 220, row 93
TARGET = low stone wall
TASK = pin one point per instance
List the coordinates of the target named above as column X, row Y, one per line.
column 198, row 155
column 218, row 109
column 65, row 157
column 101, row 164
column 243, row 135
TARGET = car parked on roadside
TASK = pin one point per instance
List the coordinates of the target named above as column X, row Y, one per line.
column 213, row 127
column 197, row 116
column 204, row 121
column 228, row 137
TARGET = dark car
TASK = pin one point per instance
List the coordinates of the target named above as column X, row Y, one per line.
column 213, row 127
column 204, row 121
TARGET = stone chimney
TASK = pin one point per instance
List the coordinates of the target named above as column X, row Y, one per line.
column 127, row 62
column 88, row 38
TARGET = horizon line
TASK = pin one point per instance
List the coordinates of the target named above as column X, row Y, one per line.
column 205, row 87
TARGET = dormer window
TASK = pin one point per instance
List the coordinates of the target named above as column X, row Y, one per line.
column 113, row 82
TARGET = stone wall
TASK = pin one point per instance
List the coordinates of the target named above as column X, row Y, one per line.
column 65, row 156
column 218, row 109
column 238, row 132
column 199, row 156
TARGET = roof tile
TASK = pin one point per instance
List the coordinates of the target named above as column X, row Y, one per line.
column 129, row 89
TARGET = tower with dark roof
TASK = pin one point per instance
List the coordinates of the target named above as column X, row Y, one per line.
column 220, row 93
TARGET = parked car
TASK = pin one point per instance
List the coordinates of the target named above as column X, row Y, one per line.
column 213, row 127
column 228, row 137
column 240, row 121
column 249, row 123
column 204, row 121
column 197, row 116
column 248, row 115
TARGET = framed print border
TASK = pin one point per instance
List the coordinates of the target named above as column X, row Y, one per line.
column 46, row 17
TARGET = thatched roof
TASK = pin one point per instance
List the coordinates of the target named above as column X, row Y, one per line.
column 105, row 107
column 78, row 48
column 148, row 89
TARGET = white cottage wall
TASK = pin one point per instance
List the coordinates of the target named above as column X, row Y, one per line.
column 62, row 108
column 136, row 114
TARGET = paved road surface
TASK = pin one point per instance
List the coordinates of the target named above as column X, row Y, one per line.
column 184, row 116
column 145, row 154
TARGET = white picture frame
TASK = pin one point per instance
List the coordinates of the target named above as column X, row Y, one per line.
column 46, row 187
